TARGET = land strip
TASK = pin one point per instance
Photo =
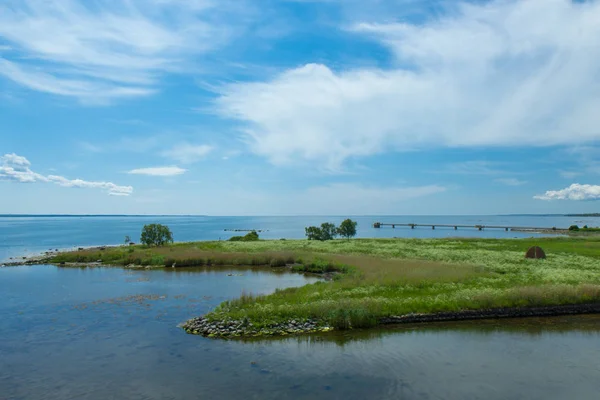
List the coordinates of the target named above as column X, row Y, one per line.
column 376, row 281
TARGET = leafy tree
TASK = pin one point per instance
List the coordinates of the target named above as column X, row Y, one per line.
column 249, row 237
column 156, row 235
column 313, row 233
column 347, row 228
column 328, row 231
column 127, row 239
column 574, row 228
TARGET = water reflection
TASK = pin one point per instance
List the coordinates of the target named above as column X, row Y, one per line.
column 110, row 333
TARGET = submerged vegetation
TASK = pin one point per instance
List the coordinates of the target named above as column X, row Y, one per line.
column 375, row 279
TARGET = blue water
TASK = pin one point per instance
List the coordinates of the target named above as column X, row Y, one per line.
column 20, row 236
column 111, row 333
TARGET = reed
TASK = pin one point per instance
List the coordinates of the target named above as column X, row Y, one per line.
column 378, row 278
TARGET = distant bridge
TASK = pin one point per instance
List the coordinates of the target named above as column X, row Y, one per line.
column 478, row 227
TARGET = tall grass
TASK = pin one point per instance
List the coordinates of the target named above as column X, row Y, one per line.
column 389, row 277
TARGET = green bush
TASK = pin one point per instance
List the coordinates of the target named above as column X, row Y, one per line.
column 574, row 228
column 156, row 235
column 249, row 237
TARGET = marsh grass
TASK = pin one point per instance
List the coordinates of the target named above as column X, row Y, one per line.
column 388, row 277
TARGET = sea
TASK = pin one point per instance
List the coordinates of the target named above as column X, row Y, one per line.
column 100, row 333
column 26, row 235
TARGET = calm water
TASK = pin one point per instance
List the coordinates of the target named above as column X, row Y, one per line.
column 102, row 333
column 31, row 235
column 110, row 333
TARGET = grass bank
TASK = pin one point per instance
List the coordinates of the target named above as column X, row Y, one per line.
column 382, row 278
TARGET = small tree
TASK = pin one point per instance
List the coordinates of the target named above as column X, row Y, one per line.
column 347, row 228
column 574, row 228
column 127, row 239
column 249, row 237
column 156, row 235
column 328, row 231
column 313, row 233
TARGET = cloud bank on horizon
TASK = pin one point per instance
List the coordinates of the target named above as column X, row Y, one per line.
column 396, row 99
column 573, row 192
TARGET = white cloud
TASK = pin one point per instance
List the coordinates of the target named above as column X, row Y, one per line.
column 15, row 161
column 187, row 153
column 511, row 181
column 16, row 168
column 158, row 171
column 102, row 50
column 500, row 73
column 574, row 192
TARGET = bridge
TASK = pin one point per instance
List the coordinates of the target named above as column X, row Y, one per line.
column 479, row 227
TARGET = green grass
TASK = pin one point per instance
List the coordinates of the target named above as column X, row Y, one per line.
column 389, row 277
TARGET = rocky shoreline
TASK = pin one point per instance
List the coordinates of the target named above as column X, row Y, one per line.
column 493, row 313
column 237, row 328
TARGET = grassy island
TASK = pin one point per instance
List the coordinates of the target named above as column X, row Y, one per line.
column 377, row 280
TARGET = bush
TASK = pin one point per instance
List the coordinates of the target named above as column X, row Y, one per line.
column 249, row 237
column 347, row 229
column 574, row 228
column 156, row 235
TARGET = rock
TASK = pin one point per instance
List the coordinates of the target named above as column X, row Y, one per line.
column 535, row 252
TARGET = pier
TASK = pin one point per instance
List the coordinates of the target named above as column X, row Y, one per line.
column 478, row 227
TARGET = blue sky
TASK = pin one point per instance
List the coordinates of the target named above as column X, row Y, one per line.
column 291, row 107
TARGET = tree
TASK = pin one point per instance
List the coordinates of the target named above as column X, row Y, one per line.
column 156, row 235
column 347, row 228
column 313, row 233
column 328, row 231
column 249, row 237
column 127, row 239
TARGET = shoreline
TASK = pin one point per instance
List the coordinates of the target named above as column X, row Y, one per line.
column 495, row 313
column 372, row 282
column 240, row 329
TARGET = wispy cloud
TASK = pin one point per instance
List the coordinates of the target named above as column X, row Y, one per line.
column 475, row 167
column 491, row 74
column 158, row 171
column 510, row 181
column 102, row 50
column 188, row 153
column 17, row 169
column 574, row 192
column 569, row 174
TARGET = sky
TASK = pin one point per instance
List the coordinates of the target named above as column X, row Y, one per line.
column 299, row 107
